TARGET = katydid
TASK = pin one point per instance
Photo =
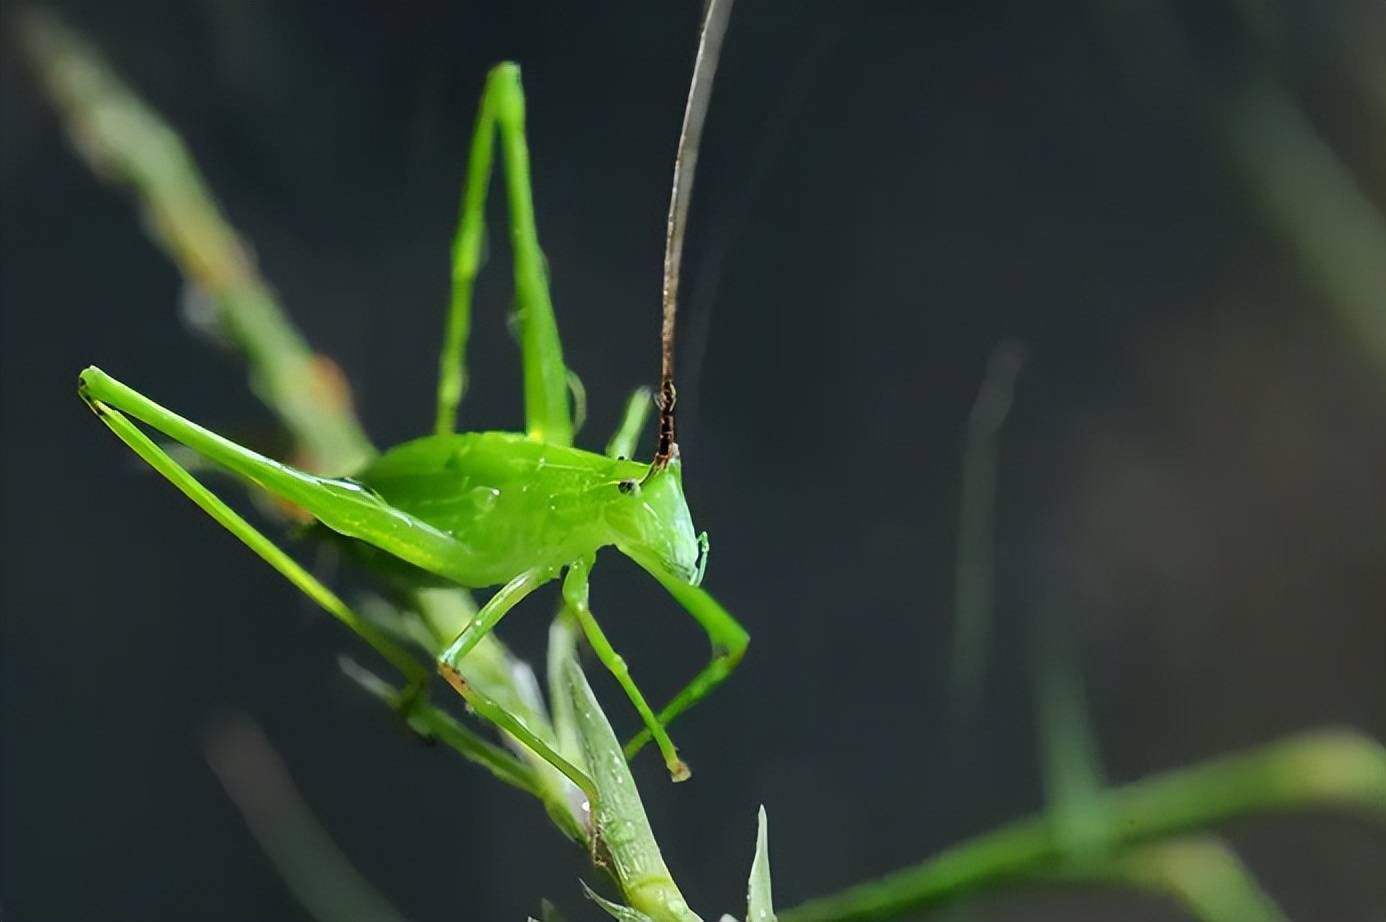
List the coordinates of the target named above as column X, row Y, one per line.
column 482, row 509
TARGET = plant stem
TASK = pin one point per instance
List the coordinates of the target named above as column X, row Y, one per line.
column 124, row 140
column 301, row 850
column 1304, row 191
column 622, row 837
column 974, row 580
column 1200, row 873
column 1324, row 769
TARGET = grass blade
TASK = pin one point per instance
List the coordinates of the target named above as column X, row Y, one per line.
column 1203, row 875
column 124, row 140
column 1328, row 769
column 622, row 834
column 301, row 850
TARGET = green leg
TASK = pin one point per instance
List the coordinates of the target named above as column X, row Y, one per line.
column 505, row 720
column 108, row 398
column 450, row 662
column 575, row 597
column 547, row 414
column 489, row 615
column 210, row 503
column 729, row 640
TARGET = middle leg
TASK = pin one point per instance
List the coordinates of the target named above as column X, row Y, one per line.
column 575, row 586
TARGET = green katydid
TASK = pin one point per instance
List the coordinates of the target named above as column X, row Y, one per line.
column 482, row 509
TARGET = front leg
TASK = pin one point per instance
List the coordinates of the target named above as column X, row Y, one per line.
column 729, row 641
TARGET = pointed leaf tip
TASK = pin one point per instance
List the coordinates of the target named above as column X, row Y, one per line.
column 759, row 901
column 615, row 910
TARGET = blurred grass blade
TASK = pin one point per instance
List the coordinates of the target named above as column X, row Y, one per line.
column 434, row 724
column 975, row 569
column 1312, row 199
column 301, row 850
column 125, row 141
column 1203, row 875
column 1328, row 769
column 1305, row 192
column 622, row 837
column 548, row 912
column 760, row 903
column 1070, row 763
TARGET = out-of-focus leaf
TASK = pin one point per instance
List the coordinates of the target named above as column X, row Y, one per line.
column 1203, row 875
column 974, row 575
column 548, row 912
column 1325, row 769
column 432, row 723
column 291, row 836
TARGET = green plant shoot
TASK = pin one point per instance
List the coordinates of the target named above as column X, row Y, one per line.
column 505, row 509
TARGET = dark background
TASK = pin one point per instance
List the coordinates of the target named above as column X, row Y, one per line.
column 1195, row 470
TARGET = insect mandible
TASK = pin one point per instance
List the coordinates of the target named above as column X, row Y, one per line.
column 482, row 509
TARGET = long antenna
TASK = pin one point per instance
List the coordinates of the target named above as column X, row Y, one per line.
column 685, row 163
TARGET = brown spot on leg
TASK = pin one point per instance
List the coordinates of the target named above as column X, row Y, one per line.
column 454, row 678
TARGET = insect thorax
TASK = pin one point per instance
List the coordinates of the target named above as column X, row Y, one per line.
column 513, row 503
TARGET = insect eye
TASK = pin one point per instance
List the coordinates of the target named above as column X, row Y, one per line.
column 628, row 486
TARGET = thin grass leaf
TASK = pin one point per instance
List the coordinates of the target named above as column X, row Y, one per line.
column 433, row 723
column 1326, row 769
column 615, row 910
column 126, row 142
column 309, row 862
column 1071, row 764
column 548, row 912
column 1289, row 172
column 622, row 837
column 1203, row 875
column 974, row 578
